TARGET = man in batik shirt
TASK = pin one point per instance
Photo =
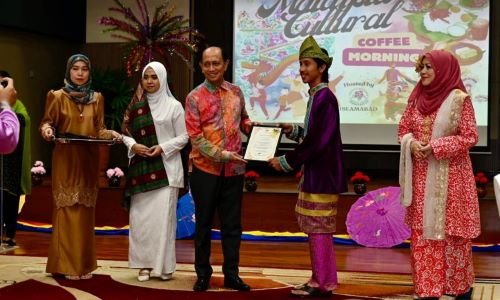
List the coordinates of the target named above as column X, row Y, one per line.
column 215, row 114
column 319, row 154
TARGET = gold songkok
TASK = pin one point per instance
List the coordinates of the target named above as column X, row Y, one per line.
column 311, row 49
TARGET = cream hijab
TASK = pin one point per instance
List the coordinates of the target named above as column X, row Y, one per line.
column 159, row 101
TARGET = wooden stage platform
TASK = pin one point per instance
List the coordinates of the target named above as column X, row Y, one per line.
column 269, row 209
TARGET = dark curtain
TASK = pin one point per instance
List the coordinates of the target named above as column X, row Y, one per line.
column 214, row 19
column 59, row 18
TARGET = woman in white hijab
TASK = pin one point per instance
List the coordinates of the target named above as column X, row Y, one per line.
column 155, row 132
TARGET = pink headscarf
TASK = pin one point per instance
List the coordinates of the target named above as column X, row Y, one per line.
column 448, row 77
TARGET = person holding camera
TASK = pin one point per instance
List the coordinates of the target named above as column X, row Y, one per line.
column 16, row 171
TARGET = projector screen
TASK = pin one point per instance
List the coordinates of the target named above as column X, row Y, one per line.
column 374, row 45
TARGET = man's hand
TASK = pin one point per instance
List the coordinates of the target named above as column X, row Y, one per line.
column 274, row 163
column 233, row 156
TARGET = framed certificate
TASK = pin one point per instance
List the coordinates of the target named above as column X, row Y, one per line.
column 263, row 143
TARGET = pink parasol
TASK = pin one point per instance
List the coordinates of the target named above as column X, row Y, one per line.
column 377, row 219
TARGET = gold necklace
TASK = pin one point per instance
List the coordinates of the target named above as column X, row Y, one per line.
column 81, row 111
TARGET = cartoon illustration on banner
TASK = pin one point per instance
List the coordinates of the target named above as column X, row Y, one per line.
column 374, row 45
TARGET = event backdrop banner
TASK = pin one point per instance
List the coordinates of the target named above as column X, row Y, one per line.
column 374, row 45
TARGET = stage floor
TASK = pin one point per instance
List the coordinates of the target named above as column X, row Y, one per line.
column 266, row 254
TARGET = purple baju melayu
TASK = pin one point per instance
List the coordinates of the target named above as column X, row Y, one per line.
column 9, row 131
column 319, row 152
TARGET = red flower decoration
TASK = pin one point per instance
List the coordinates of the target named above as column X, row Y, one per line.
column 252, row 175
column 298, row 175
column 481, row 178
column 359, row 177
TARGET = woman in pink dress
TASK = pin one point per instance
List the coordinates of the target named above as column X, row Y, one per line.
column 436, row 132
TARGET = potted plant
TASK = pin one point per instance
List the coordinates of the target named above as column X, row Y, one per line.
column 481, row 182
column 251, row 180
column 359, row 180
column 37, row 172
column 114, row 176
column 117, row 94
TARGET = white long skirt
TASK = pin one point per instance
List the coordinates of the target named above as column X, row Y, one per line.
column 153, row 223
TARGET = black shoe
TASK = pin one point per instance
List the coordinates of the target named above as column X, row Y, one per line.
column 305, row 291
column 465, row 296
column 10, row 242
column 201, row 284
column 236, row 283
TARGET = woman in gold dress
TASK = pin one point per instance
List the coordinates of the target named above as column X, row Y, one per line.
column 78, row 110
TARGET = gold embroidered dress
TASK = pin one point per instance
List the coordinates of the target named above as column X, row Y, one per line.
column 74, row 183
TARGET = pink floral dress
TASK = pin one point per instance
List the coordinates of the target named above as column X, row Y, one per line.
column 444, row 266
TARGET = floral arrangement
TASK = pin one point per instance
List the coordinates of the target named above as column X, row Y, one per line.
column 116, row 172
column 149, row 39
column 38, row 168
column 481, row 179
column 252, row 175
column 359, row 177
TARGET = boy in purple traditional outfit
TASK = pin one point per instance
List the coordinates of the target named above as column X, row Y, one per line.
column 319, row 154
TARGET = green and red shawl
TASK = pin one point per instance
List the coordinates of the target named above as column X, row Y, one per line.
column 144, row 173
